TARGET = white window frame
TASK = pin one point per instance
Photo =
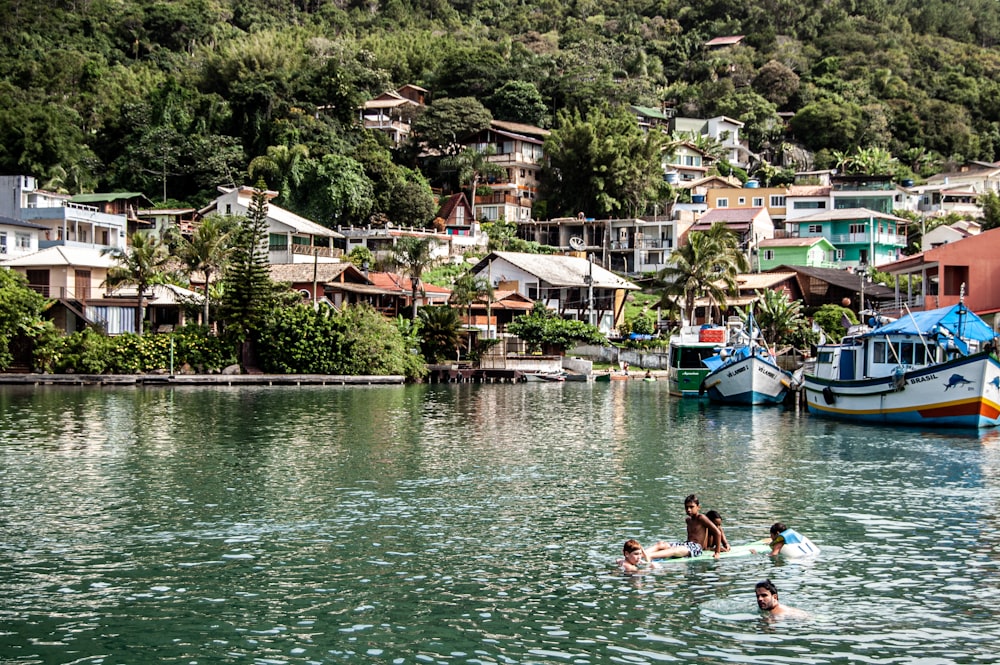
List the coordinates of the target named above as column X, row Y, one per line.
column 758, row 202
column 722, row 203
column 777, row 201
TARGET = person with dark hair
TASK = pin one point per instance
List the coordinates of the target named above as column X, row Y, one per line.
column 767, row 601
column 699, row 530
column 716, row 519
column 790, row 542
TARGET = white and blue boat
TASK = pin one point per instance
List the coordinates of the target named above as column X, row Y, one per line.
column 745, row 371
column 936, row 368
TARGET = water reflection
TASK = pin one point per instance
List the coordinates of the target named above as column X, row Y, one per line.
column 477, row 524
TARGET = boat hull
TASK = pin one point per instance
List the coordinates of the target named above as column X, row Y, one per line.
column 961, row 393
column 749, row 381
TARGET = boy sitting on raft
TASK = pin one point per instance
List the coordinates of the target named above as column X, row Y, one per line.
column 699, row 530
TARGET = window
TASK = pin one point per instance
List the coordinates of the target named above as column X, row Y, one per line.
column 777, row 201
column 809, row 205
column 838, row 254
column 758, row 202
column 858, row 228
column 768, row 254
column 3, row 242
column 22, row 240
column 532, row 288
column 815, row 228
column 741, row 201
column 954, row 278
column 878, row 352
column 722, row 203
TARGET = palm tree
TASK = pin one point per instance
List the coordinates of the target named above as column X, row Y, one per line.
column 777, row 316
column 473, row 166
column 281, row 167
column 439, row 336
column 207, row 252
column 142, row 264
column 706, row 266
column 467, row 290
column 413, row 255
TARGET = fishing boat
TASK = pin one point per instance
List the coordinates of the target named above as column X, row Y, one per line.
column 745, row 371
column 936, row 368
column 686, row 351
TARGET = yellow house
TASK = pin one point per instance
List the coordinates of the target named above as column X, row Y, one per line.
column 749, row 196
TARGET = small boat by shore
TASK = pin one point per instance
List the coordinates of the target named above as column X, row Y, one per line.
column 546, row 377
column 936, row 368
column 687, row 350
column 745, row 371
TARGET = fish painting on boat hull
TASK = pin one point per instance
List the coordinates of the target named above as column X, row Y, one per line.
column 961, row 393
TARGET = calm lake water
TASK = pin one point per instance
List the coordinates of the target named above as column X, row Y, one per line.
column 477, row 524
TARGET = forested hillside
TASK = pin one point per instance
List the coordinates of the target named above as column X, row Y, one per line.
column 174, row 98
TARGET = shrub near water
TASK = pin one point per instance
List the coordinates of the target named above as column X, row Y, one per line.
column 357, row 341
column 91, row 352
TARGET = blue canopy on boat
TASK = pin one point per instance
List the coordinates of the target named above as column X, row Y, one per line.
column 956, row 320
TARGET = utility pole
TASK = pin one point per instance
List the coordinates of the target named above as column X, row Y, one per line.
column 590, row 289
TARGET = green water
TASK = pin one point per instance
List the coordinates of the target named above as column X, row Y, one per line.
column 477, row 524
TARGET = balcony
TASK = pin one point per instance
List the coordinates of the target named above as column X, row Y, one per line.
column 891, row 239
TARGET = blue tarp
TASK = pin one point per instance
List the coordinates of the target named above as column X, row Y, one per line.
column 956, row 320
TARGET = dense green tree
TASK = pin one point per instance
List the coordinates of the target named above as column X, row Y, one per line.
column 445, row 123
column 281, row 167
column 990, row 201
column 601, row 165
column 776, row 82
column 542, row 330
column 827, row 124
column 334, row 190
column 20, row 312
column 143, row 263
column 518, row 101
column 472, row 72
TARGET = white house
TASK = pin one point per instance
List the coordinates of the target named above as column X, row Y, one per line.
column 18, row 238
column 944, row 234
column 291, row 238
column 572, row 286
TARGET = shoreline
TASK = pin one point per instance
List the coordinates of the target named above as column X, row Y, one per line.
column 198, row 379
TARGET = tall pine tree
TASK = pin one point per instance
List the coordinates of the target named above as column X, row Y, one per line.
column 249, row 292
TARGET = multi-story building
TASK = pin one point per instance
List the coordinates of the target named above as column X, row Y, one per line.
column 630, row 245
column 391, row 111
column 517, row 149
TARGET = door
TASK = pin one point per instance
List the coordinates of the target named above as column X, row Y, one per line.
column 81, row 285
column 847, row 364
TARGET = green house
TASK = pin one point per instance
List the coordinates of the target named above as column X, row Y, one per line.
column 861, row 236
column 817, row 252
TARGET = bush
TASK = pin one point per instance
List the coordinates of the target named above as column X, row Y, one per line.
column 356, row 341
column 92, row 352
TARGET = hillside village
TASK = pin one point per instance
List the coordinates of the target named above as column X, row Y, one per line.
column 815, row 239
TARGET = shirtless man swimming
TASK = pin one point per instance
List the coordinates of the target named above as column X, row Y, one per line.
column 699, row 527
column 767, row 601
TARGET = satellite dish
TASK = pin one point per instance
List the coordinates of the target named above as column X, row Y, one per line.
column 577, row 243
